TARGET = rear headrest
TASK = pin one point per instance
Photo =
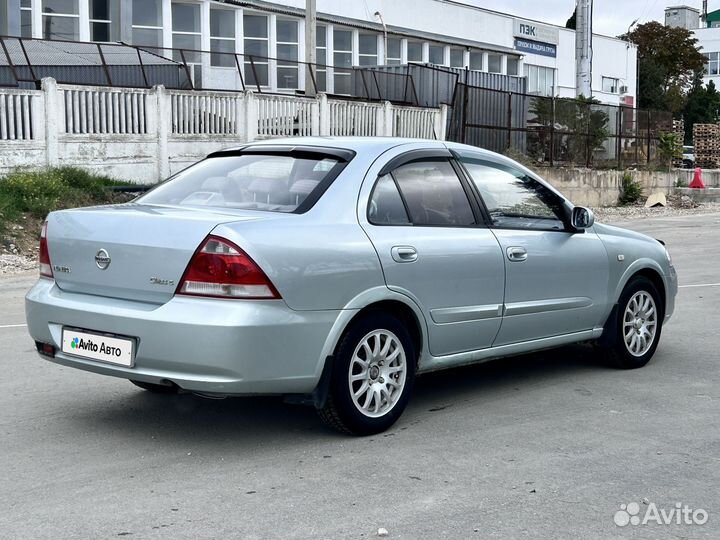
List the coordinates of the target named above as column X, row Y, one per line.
column 304, row 186
column 214, row 183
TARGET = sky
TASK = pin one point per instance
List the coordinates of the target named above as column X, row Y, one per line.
column 610, row 17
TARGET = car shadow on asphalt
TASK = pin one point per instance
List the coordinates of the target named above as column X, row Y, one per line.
column 257, row 420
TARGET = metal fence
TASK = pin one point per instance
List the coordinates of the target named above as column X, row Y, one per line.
column 556, row 131
column 428, row 85
column 25, row 61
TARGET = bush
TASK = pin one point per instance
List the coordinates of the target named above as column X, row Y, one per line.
column 41, row 192
column 630, row 190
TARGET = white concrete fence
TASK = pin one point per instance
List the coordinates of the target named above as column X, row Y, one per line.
column 146, row 135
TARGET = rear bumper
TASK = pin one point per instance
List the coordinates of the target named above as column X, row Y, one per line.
column 205, row 345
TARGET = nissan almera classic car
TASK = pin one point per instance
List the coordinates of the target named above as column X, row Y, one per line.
column 334, row 270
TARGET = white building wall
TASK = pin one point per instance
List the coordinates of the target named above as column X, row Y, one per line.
column 709, row 43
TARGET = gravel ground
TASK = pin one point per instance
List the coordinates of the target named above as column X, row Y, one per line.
column 626, row 213
column 13, row 264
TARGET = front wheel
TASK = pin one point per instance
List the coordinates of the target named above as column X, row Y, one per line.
column 372, row 376
column 635, row 334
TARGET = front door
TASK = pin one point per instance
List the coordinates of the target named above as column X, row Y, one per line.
column 433, row 249
column 556, row 279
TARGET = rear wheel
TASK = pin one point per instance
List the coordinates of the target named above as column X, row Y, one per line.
column 635, row 331
column 372, row 376
column 157, row 388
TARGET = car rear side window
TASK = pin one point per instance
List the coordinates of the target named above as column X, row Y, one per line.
column 386, row 205
column 433, row 194
column 271, row 182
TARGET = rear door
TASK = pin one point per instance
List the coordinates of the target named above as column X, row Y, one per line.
column 433, row 248
column 556, row 278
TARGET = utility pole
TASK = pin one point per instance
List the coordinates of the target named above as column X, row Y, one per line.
column 583, row 49
column 310, row 53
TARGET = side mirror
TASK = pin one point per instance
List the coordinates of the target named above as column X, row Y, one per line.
column 582, row 218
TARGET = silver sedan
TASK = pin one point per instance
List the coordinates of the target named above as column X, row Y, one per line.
column 334, row 270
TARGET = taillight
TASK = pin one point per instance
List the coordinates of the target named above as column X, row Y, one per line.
column 45, row 266
column 221, row 269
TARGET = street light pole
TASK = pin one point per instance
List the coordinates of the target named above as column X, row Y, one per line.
column 310, row 52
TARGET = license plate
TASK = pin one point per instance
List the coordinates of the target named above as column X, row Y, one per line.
column 111, row 349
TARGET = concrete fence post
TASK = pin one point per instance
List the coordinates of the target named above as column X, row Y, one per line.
column 441, row 122
column 161, row 119
column 315, row 117
column 324, row 114
column 240, row 120
column 251, row 116
column 51, row 119
column 388, row 119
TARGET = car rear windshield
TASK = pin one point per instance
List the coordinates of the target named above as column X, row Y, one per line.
column 254, row 181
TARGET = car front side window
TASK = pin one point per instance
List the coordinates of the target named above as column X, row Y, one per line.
column 515, row 200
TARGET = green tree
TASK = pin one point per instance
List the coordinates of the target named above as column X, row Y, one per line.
column 571, row 22
column 667, row 59
column 580, row 126
column 702, row 106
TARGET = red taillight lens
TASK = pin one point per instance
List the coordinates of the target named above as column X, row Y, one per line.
column 45, row 266
column 221, row 269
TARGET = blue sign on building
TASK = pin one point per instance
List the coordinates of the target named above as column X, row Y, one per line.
column 535, row 47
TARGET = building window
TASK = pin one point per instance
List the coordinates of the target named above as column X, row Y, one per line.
column 104, row 17
column 513, row 66
column 186, row 32
column 610, row 85
column 436, row 54
column 222, row 37
column 457, row 58
column 147, row 23
column 393, row 55
column 342, row 60
column 287, row 53
column 321, row 58
column 255, row 31
column 368, row 49
column 713, row 63
column 414, row 51
column 476, row 61
column 60, row 19
column 25, row 18
column 494, row 63
column 540, row 80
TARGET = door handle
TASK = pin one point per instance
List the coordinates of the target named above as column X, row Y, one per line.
column 516, row 254
column 403, row 254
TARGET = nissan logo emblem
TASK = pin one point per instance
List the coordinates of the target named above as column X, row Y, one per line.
column 102, row 259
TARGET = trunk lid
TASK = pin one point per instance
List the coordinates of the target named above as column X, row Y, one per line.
column 148, row 247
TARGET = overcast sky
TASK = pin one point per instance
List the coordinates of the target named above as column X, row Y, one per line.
column 611, row 17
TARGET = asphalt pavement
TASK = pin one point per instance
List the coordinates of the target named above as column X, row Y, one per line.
column 546, row 445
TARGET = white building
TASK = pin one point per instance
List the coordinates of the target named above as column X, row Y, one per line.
column 371, row 32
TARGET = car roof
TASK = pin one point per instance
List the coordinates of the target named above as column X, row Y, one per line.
column 375, row 145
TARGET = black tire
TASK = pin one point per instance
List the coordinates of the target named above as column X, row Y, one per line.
column 340, row 411
column 613, row 345
column 156, row 388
